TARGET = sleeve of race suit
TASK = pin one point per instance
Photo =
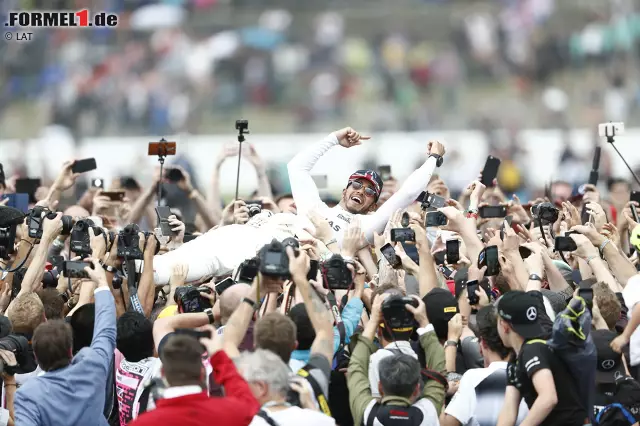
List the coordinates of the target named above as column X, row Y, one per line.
column 410, row 190
column 303, row 188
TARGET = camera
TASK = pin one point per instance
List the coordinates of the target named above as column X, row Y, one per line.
column 248, row 270
column 80, row 240
column 337, row 274
column 396, row 316
column 545, row 212
column 242, row 125
column 38, row 214
column 129, row 242
column 75, row 269
column 274, row 261
column 189, row 299
column 10, row 218
column 19, row 345
column 255, row 207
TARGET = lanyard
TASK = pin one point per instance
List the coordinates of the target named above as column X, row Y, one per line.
column 276, row 404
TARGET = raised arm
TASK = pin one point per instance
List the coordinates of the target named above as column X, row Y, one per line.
column 406, row 195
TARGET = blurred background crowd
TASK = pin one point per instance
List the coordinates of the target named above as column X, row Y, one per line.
column 194, row 66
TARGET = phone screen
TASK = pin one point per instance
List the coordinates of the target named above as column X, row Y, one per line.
column 385, row 172
column 224, row 284
column 491, row 260
column 490, row 171
column 435, row 219
column 492, row 211
column 83, row 166
column 453, row 251
column 313, row 270
column 389, row 253
column 472, row 286
column 113, row 195
column 635, row 196
column 587, row 295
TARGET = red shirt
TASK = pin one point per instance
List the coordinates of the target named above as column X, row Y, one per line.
column 237, row 408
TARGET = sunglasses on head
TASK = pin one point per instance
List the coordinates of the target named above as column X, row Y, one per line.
column 368, row 191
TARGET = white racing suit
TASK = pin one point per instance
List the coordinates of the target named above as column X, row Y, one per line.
column 306, row 195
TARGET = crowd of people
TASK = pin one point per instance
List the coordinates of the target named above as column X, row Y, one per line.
column 392, row 305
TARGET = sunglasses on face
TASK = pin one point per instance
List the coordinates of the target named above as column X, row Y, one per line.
column 368, row 191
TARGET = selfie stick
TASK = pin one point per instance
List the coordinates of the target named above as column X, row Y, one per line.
column 610, row 139
column 161, row 154
column 241, row 138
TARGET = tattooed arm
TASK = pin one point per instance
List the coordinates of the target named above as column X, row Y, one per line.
column 319, row 316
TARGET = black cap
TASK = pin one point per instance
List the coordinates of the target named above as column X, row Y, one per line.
column 610, row 366
column 520, row 309
column 441, row 306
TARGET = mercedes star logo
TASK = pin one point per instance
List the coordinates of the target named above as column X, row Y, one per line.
column 532, row 313
column 608, row 364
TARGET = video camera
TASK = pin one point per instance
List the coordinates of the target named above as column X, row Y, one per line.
column 336, row 273
column 10, row 218
column 274, row 261
column 396, row 316
column 189, row 299
column 38, row 214
column 129, row 242
column 545, row 212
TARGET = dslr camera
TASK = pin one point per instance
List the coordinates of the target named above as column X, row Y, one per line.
column 255, row 207
column 38, row 214
column 396, row 316
column 337, row 274
column 274, row 261
column 545, row 212
column 10, row 218
column 80, row 240
column 248, row 270
column 189, row 299
column 19, row 345
column 129, row 242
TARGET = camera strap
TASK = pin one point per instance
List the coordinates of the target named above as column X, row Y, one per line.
column 267, row 418
column 317, row 390
column 337, row 318
column 290, row 295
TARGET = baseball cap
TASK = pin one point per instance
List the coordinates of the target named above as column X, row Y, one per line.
column 520, row 309
column 610, row 366
column 441, row 306
column 369, row 175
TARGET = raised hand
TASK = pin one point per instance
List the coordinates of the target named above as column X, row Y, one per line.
column 348, row 137
column 66, row 178
column 435, row 147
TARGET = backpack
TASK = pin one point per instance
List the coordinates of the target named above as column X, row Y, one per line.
column 572, row 343
column 394, row 415
column 615, row 415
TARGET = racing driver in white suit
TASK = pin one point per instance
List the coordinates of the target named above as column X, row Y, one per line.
column 221, row 250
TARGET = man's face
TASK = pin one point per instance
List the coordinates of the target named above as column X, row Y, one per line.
column 560, row 191
column 503, row 331
column 359, row 197
column 620, row 193
column 287, row 205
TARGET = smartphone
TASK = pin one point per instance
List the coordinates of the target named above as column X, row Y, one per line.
column 634, row 213
column 492, row 211
column 453, row 251
column 585, row 217
column 489, row 258
column 385, row 172
column 17, row 201
column 587, row 295
column 434, row 201
column 320, row 181
column 313, row 270
column 224, row 284
column 490, row 171
column 75, row 269
column 163, row 213
column 610, row 129
column 509, row 220
column 635, row 196
column 83, row 166
column 389, row 253
column 114, row 195
column 438, row 258
column 162, row 148
column 435, row 219
column 174, row 175
column 565, row 243
column 472, row 286
column 97, row 183
column 402, row 234
column 28, row 186
column 412, row 252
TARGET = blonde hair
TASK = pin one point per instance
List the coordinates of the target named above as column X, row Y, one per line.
column 26, row 313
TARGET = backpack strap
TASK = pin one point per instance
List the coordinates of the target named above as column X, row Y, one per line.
column 267, row 418
column 630, row 418
column 372, row 414
column 536, row 341
column 317, row 390
column 331, row 298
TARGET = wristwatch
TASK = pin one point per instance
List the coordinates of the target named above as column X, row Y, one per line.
column 209, row 313
column 534, row 277
column 109, row 268
column 439, row 159
column 451, row 343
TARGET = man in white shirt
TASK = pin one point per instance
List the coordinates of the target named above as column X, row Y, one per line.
column 631, row 333
column 480, row 397
column 270, row 380
column 360, row 196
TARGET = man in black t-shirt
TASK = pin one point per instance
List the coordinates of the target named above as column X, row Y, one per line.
column 536, row 374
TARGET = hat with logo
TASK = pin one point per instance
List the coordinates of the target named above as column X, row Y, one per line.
column 610, row 366
column 441, row 306
column 371, row 176
column 521, row 310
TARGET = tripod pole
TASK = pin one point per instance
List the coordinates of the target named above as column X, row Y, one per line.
column 240, row 140
column 161, row 160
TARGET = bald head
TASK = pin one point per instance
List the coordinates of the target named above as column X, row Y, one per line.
column 231, row 299
column 77, row 211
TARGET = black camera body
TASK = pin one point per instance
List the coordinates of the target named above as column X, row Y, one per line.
column 255, row 207
column 129, row 242
column 242, row 126
column 189, row 299
column 337, row 274
column 248, row 270
column 19, row 345
column 396, row 316
column 80, row 240
column 545, row 212
column 274, row 261
column 7, row 241
column 38, row 214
